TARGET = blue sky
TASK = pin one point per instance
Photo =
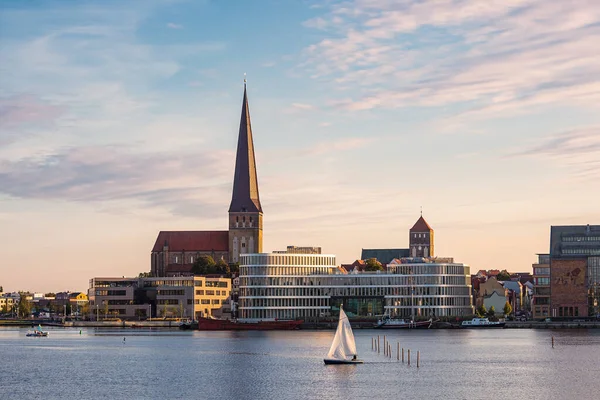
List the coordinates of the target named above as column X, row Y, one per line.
column 119, row 119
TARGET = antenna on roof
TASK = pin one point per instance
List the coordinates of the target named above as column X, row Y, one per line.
column 421, row 211
column 244, row 79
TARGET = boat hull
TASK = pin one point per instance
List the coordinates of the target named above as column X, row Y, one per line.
column 500, row 325
column 415, row 325
column 207, row 324
column 338, row 362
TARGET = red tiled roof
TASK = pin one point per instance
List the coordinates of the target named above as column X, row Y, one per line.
column 192, row 241
column 421, row 226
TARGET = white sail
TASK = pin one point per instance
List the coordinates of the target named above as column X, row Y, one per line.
column 343, row 345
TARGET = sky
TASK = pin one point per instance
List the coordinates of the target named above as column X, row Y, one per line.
column 120, row 119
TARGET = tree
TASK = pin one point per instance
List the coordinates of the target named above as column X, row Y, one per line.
column 373, row 265
column 234, row 268
column 491, row 312
column 507, row 308
column 145, row 275
column 50, row 294
column 24, row 308
column 481, row 311
column 503, row 276
column 204, row 265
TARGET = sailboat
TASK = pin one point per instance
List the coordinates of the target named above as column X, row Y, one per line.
column 343, row 348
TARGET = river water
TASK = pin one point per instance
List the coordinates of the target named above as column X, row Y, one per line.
column 169, row 364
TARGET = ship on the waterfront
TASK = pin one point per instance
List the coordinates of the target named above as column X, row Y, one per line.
column 210, row 324
column 392, row 323
column 482, row 323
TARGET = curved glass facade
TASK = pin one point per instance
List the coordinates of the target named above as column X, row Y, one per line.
column 290, row 286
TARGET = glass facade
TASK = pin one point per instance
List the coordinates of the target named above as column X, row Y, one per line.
column 288, row 286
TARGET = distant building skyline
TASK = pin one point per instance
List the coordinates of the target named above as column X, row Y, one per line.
column 364, row 112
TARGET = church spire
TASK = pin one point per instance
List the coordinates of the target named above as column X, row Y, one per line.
column 245, row 196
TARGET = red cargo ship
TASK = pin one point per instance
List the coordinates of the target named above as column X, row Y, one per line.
column 208, row 324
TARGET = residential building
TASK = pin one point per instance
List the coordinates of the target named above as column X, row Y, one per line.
column 541, row 288
column 515, row 294
column 9, row 302
column 290, row 286
column 493, row 293
column 164, row 297
column 575, row 270
column 174, row 252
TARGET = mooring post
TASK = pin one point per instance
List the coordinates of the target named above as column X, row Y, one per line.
column 408, row 356
column 403, row 355
column 378, row 347
column 372, row 343
column 552, row 341
column 398, row 352
column 418, row 358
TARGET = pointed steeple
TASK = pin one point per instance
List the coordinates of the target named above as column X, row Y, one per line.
column 421, row 225
column 245, row 196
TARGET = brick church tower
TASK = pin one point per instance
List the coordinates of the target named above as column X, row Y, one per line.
column 421, row 239
column 245, row 211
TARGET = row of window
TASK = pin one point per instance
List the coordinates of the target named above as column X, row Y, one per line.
column 592, row 252
column 287, row 259
column 581, row 238
column 179, row 292
column 111, row 292
column 212, row 292
column 323, row 291
column 356, row 280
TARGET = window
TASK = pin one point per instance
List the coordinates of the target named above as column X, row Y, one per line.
column 243, row 244
column 199, row 292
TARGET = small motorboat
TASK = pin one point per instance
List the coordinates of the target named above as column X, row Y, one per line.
column 37, row 332
column 343, row 347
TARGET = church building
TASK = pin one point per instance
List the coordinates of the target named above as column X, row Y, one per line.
column 175, row 252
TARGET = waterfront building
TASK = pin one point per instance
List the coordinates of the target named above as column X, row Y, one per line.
column 174, row 252
column 290, row 286
column 9, row 302
column 493, row 293
column 575, row 270
column 541, row 288
column 165, row 297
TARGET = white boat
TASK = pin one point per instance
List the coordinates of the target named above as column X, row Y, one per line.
column 343, row 348
column 392, row 323
column 482, row 323
column 37, row 332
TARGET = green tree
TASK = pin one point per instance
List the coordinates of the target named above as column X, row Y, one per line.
column 24, row 309
column 481, row 311
column 373, row 265
column 507, row 308
column 503, row 276
column 204, row 265
column 234, row 268
column 491, row 312
column 145, row 275
column 4, row 308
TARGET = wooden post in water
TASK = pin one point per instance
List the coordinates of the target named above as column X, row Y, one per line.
column 408, row 356
column 378, row 348
column 372, row 343
column 398, row 353
column 384, row 345
column 418, row 358
column 552, row 341
column 403, row 355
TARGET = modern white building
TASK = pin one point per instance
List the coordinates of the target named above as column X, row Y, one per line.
column 292, row 286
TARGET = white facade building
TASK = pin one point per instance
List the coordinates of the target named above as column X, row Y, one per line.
column 299, row 286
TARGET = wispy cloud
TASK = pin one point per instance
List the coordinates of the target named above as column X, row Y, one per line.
column 110, row 173
column 172, row 25
column 577, row 149
column 492, row 59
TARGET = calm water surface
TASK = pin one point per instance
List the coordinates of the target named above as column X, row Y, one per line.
column 167, row 364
